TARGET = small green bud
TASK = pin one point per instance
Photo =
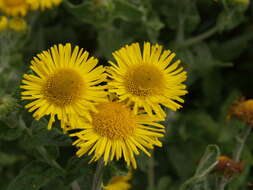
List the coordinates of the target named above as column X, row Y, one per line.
column 7, row 104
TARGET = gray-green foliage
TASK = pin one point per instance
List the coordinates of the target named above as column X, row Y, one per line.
column 212, row 38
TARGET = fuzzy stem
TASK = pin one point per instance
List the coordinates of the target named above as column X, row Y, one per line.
column 240, row 143
column 199, row 38
column 180, row 29
column 98, row 176
column 75, row 185
column 241, row 139
column 223, row 183
column 151, row 172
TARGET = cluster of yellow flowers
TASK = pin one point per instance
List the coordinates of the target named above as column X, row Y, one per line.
column 16, row 24
column 13, row 12
column 116, row 109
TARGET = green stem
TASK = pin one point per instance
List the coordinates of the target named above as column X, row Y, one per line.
column 151, row 172
column 75, row 185
column 223, row 183
column 240, row 143
column 199, row 38
column 98, row 176
column 46, row 157
column 180, row 29
column 241, row 140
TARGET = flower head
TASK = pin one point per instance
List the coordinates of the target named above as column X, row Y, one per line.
column 147, row 80
column 18, row 24
column 115, row 132
column 14, row 7
column 65, row 84
column 228, row 167
column 119, row 183
column 3, row 23
column 43, row 4
column 243, row 110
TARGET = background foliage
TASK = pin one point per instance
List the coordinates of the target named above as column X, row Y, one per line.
column 212, row 38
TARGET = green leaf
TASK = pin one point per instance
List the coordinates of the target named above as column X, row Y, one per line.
column 41, row 136
column 8, row 133
column 34, row 176
column 183, row 10
column 110, row 39
column 229, row 20
column 89, row 13
column 114, row 169
column 154, row 25
column 57, row 184
column 182, row 164
column 232, row 15
column 102, row 15
column 164, row 183
column 79, row 169
column 8, row 159
column 127, row 11
column 232, row 48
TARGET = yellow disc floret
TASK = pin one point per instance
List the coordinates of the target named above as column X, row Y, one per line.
column 144, row 81
column 114, row 121
column 115, row 131
column 55, row 90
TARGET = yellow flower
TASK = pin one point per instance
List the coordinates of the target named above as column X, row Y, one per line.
column 147, row 80
column 3, row 23
column 18, row 24
column 115, row 132
column 43, row 4
column 243, row 110
column 65, row 84
column 14, row 7
column 119, row 183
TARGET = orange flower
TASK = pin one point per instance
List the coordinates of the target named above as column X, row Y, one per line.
column 243, row 110
column 228, row 167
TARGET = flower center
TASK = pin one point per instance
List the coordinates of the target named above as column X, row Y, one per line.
column 63, row 87
column 13, row 3
column 144, row 80
column 113, row 120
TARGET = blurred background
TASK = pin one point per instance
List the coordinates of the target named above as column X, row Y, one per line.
column 213, row 38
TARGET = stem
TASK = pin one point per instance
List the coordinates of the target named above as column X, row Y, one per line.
column 151, row 173
column 180, row 29
column 75, row 185
column 200, row 37
column 52, row 162
column 223, row 183
column 97, row 179
column 241, row 139
column 240, row 143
